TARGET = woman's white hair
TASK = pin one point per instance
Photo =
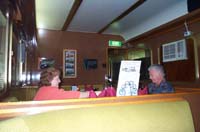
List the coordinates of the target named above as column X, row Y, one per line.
column 158, row 68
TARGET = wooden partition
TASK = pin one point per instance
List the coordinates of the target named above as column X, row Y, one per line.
column 14, row 109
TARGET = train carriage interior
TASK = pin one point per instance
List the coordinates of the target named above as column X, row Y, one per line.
column 87, row 40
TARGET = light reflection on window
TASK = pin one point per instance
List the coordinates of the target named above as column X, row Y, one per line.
column 2, row 50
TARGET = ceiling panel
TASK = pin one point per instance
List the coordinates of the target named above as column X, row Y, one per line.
column 95, row 14
column 51, row 14
column 151, row 14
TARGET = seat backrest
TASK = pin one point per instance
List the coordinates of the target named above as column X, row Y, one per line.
column 149, row 116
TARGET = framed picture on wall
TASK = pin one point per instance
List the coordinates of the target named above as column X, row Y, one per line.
column 69, row 63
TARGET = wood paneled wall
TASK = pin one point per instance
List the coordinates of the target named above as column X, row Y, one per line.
column 185, row 72
column 88, row 45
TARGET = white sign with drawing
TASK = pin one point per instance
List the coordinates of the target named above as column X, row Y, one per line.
column 129, row 76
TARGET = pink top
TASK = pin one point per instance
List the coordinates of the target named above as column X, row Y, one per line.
column 53, row 93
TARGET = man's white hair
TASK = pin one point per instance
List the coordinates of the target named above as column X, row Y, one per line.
column 158, row 68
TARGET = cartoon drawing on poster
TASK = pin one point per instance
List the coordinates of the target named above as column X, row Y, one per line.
column 129, row 75
column 128, row 88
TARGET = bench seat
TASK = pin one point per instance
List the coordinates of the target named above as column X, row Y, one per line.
column 163, row 115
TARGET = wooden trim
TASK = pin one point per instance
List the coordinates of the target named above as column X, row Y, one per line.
column 72, row 13
column 133, row 7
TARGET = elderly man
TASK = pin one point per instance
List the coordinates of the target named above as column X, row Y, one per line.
column 159, row 84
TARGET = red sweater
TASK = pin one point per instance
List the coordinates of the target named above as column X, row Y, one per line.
column 53, row 93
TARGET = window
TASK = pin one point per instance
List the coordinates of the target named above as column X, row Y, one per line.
column 174, row 51
column 3, row 52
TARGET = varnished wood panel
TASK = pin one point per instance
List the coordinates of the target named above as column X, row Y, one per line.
column 182, row 70
column 88, row 45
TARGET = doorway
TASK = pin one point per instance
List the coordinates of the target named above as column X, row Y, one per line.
column 116, row 55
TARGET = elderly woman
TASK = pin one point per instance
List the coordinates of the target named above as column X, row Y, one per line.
column 49, row 87
column 159, row 84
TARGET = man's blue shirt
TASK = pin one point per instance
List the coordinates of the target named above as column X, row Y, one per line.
column 164, row 87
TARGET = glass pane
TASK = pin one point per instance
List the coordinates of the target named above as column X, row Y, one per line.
column 2, row 50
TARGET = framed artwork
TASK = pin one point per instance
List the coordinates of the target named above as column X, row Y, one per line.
column 69, row 63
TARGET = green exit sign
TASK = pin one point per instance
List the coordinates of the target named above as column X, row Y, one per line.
column 115, row 43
